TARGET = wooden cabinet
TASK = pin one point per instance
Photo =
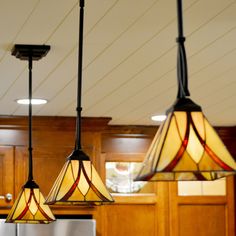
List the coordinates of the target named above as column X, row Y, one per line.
column 128, row 219
column 6, row 176
column 202, row 215
column 47, row 163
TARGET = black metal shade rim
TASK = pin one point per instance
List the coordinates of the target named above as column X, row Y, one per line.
column 79, row 203
column 184, row 104
column 30, row 221
column 78, row 154
column 150, row 175
column 31, row 184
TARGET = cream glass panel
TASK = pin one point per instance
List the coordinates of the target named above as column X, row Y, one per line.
column 188, row 188
column 181, row 123
column 99, row 185
column 172, row 144
column 202, row 188
column 198, row 121
column 194, row 147
column 32, row 204
column 217, row 187
column 83, row 184
column 67, row 181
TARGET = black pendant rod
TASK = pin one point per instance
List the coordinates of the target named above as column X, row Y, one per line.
column 30, row 52
column 30, row 177
column 182, row 70
column 80, row 68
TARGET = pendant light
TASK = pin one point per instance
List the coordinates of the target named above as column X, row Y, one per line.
column 78, row 182
column 186, row 146
column 29, row 206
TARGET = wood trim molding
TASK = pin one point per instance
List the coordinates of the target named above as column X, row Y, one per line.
column 91, row 123
column 148, row 198
column 130, row 157
column 55, row 123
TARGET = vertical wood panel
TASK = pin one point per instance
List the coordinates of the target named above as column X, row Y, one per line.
column 21, row 168
column 202, row 215
column 6, row 175
column 138, row 220
column 230, row 207
column 125, row 144
column 202, row 220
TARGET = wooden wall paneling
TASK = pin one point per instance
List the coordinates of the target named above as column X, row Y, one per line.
column 230, row 198
column 97, row 161
column 97, row 215
column 125, row 143
column 89, row 142
column 12, row 137
column 6, row 175
column 21, row 167
column 202, row 220
column 234, row 202
column 162, row 209
column 122, row 219
column 47, row 163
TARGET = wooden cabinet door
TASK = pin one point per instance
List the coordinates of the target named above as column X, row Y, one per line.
column 202, row 215
column 6, row 176
column 47, row 164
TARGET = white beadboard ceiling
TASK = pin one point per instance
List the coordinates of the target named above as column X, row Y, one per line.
column 129, row 66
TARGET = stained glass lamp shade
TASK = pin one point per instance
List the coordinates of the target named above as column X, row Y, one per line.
column 29, row 206
column 78, row 182
column 186, row 146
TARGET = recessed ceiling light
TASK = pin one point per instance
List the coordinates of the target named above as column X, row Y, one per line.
column 34, row 101
column 159, row 118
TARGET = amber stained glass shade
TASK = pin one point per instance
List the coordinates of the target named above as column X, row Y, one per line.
column 79, row 184
column 186, row 147
column 29, row 207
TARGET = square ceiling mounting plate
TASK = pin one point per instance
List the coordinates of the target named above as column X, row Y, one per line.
column 24, row 51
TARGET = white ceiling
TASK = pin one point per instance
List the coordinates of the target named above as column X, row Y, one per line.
column 129, row 70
